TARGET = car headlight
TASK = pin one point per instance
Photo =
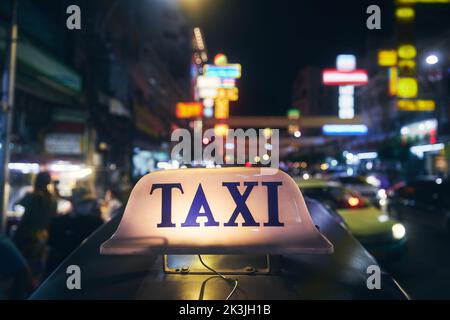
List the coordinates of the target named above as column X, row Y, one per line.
column 382, row 194
column 398, row 231
column 374, row 181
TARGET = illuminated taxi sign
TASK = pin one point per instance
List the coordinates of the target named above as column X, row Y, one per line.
column 216, row 211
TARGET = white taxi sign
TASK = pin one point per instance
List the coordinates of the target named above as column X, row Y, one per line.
column 216, row 211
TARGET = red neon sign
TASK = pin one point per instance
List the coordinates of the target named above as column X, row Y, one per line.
column 334, row 77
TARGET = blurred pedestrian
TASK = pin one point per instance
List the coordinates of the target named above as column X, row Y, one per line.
column 111, row 203
column 32, row 232
column 68, row 231
column 15, row 275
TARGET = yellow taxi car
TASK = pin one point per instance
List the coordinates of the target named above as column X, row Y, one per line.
column 380, row 234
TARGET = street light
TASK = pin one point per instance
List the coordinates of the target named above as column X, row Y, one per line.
column 432, row 59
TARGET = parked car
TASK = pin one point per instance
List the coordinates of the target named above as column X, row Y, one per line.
column 368, row 186
column 380, row 234
column 425, row 200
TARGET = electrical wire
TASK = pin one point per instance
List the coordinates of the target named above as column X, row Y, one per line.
column 222, row 276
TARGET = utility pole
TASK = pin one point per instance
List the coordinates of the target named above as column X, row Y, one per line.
column 6, row 112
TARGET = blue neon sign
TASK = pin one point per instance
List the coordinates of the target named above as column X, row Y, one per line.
column 228, row 71
column 344, row 129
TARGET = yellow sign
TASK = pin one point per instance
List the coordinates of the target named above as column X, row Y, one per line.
column 407, row 51
column 267, row 133
column 416, row 105
column 393, row 81
column 221, row 129
column 405, row 14
column 221, row 109
column 185, row 110
column 407, row 68
column 402, row 2
column 407, row 88
column 231, row 94
column 409, row 64
column 387, row 58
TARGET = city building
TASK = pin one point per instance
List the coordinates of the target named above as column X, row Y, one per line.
column 411, row 141
column 107, row 126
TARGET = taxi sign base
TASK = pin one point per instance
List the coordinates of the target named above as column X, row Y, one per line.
column 203, row 271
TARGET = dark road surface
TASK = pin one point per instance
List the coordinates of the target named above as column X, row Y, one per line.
column 424, row 270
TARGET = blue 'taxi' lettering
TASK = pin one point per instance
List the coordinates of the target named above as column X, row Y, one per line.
column 194, row 212
column 166, row 206
column 272, row 205
column 200, row 201
column 241, row 206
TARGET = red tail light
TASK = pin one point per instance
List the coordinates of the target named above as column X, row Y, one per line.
column 353, row 201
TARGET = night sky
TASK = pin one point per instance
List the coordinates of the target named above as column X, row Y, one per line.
column 274, row 39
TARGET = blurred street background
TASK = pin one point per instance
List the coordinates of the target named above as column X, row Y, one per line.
column 363, row 114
